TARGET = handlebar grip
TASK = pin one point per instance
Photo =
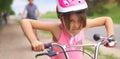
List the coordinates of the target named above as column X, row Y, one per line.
column 111, row 42
column 47, row 45
column 96, row 37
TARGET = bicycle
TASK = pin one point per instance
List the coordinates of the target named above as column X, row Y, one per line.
column 100, row 40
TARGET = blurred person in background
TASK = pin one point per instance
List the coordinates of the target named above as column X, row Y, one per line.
column 31, row 12
column 5, row 16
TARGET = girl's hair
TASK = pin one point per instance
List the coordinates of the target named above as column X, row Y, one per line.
column 80, row 14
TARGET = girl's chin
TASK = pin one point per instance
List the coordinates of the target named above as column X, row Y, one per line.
column 74, row 32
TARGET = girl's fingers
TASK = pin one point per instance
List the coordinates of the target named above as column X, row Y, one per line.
column 38, row 47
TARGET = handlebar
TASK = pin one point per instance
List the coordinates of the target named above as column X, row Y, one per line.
column 47, row 45
column 49, row 53
column 107, row 41
column 97, row 37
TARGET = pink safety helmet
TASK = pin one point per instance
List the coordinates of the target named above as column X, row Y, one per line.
column 65, row 6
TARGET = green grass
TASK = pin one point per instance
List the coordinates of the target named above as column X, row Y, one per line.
column 45, row 32
column 50, row 15
column 100, row 55
column 109, row 57
column 17, row 21
column 89, row 49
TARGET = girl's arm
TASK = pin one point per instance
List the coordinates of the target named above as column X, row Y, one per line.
column 102, row 21
column 28, row 26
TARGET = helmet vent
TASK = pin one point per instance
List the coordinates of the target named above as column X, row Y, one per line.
column 79, row 1
column 66, row 3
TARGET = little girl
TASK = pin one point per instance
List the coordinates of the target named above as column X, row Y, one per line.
column 70, row 31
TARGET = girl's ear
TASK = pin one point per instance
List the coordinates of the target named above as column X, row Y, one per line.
column 61, row 17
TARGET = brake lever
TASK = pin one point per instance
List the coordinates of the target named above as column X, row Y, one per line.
column 51, row 52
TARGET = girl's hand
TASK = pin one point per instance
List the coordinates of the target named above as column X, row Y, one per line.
column 37, row 46
column 111, row 42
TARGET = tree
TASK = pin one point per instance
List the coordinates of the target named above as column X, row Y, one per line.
column 5, row 5
column 96, row 6
column 118, row 2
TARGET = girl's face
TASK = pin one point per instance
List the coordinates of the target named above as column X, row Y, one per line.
column 74, row 24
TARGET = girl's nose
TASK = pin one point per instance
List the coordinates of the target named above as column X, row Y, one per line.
column 77, row 25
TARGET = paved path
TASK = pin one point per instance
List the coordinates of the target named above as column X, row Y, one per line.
column 14, row 45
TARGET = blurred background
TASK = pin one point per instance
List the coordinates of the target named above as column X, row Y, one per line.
column 96, row 8
column 14, row 45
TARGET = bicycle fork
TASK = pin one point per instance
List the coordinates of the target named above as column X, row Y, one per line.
column 97, row 49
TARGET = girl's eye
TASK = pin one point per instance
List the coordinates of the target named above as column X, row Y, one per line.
column 71, row 20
